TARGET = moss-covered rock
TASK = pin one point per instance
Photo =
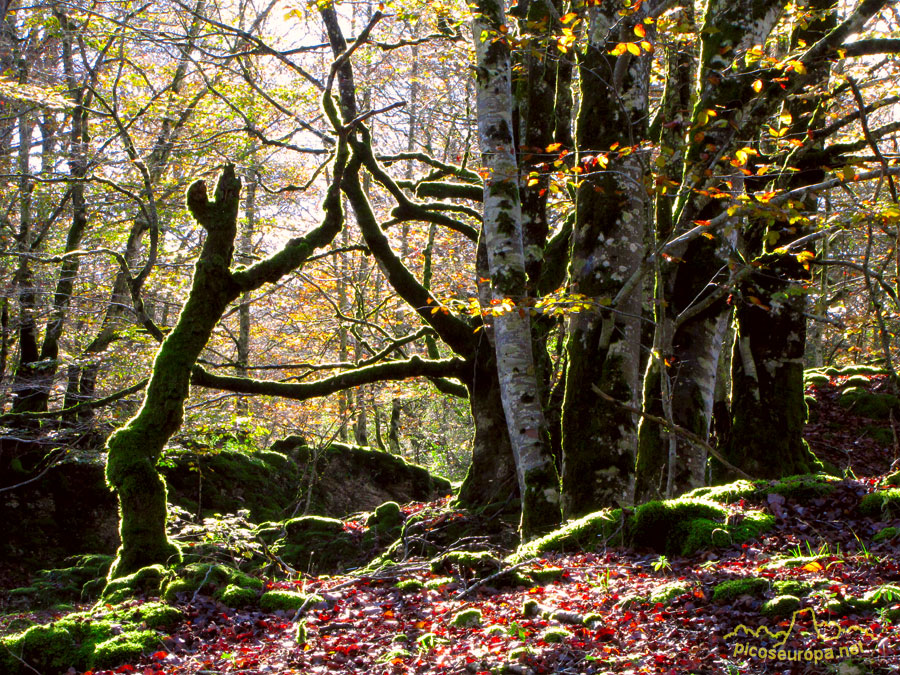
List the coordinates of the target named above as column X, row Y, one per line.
column 782, row 605
column 546, row 575
column 793, row 587
column 146, row 581
column 235, row 596
column 409, row 585
column 386, row 517
column 466, row 618
column 288, row 600
column 868, row 404
column 675, row 526
column 317, row 544
column 103, row 638
column 211, row 579
column 728, row 591
column 83, row 580
column 724, row 494
column 554, row 635
column 352, row 478
column 886, row 533
column 666, row 593
column 881, row 503
column 806, row 486
column 438, row 583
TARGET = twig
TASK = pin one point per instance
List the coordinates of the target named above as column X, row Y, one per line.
column 681, row 431
column 478, row 584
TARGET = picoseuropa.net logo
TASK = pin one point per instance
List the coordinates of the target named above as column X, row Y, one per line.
column 842, row 645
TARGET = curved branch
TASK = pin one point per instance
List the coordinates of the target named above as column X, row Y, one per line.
column 302, row 391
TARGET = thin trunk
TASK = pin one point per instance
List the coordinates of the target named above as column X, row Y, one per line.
column 529, row 438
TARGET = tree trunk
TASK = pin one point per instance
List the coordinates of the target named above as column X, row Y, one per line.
column 767, row 398
column 529, row 438
column 599, row 439
column 134, row 449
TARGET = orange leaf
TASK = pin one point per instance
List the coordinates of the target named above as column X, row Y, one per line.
column 814, row 566
column 640, row 31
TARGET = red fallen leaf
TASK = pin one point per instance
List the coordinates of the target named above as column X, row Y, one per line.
column 127, row 668
column 160, row 654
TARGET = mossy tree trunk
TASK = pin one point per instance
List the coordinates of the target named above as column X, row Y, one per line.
column 611, row 221
column 768, row 410
column 767, row 399
column 134, row 449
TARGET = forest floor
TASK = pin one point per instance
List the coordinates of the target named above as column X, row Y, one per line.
column 616, row 610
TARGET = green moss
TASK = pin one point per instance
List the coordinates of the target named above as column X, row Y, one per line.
column 792, row 587
column 668, row 592
column 235, row 596
column 666, row 527
column 735, row 588
column 467, row 618
column 783, row 605
column 409, row 585
column 99, row 639
column 546, row 575
column 856, row 381
column 157, row 615
column 585, row 534
column 124, row 648
column 866, row 404
column 479, row 563
column 886, row 533
column 555, row 635
column 724, row 494
column 437, row 583
column 145, row 581
column 530, row 607
column 806, row 486
column 891, row 480
column 314, row 543
column 592, row 618
column 881, row 503
column 176, row 587
column 881, row 435
column 816, row 379
column 386, row 517
column 287, row 600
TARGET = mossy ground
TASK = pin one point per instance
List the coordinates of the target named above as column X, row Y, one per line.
column 105, row 637
column 730, row 590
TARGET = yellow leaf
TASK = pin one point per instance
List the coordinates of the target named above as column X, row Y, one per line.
column 785, row 118
column 640, row 31
column 647, row 46
column 757, row 86
column 799, row 68
column 708, row 235
column 569, row 18
column 805, row 256
column 619, row 49
column 553, row 147
column 633, row 49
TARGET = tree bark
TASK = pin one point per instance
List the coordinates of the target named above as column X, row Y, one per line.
column 502, row 222
column 611, row 221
